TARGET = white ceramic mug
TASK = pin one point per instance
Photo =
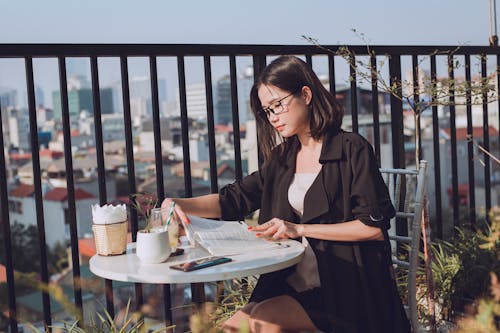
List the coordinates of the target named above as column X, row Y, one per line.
column 153, row 247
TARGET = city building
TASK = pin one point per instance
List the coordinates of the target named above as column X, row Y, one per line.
column 8, row 98
column 18, row 124
column 195, row 100
column 140, row 96
column 81, row 99
column 223, row 112
column 55, row 211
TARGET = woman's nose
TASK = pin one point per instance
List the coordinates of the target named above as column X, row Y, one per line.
column 273, row 117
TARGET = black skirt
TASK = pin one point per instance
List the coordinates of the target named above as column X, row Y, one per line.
column 358, row 293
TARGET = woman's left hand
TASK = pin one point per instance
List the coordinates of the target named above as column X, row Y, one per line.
column 277, row 228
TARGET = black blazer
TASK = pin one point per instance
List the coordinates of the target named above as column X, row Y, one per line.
column 349, row 186
column 356, row 277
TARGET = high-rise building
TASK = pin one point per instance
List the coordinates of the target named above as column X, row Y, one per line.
column 222, row 100
column 81, row 99
column 223, row 105
column 8, row 98
column 39, row 96
column 140, row 96
column 19, row 129
column 196, row 101
column 245, row 83
column 77, row 67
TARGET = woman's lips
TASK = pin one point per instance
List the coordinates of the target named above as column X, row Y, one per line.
column 280, row 128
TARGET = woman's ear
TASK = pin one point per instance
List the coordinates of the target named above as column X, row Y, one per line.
column 306, row 95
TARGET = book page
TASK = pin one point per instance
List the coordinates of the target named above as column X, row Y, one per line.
column 226, row 237
column 214, row 229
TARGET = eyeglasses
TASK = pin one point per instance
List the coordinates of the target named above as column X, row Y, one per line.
column 278, row 107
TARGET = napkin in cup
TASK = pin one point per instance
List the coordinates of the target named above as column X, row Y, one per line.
column 109, row 214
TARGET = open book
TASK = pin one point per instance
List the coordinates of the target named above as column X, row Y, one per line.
column 226, row 237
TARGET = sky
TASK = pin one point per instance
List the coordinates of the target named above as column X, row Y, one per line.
column 389, row 22
column 244, row 22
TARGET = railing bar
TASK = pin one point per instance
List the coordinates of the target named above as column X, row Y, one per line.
column 210, row 125
column 470, row 144
column 37, row 182
column 96, row 95
column 486, row 133
column 331, row 75
column 236, row 117
column 259, row 62
column 129, row 149
column 8, row 50
column 5, row 222
column 375, row 107
column 309, row 59
column 129, row 145
column 398, row 151
column 70, row 188
column 101, row 171
column 184, row 126
column 354, row 93
column 416, row 101
column 453, row 135
column 160, row 188
column 436, row 146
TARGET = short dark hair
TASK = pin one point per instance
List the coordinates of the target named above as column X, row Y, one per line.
column 290, row 73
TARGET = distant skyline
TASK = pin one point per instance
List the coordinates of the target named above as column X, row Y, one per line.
column 391, row 22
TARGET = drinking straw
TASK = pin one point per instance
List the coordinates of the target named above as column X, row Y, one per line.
column 171, row 212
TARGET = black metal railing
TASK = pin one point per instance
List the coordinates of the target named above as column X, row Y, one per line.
column 259, row 54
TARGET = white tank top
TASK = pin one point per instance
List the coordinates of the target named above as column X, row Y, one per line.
column 306, row 275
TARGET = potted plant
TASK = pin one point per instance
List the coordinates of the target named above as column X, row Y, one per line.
column 152, row 245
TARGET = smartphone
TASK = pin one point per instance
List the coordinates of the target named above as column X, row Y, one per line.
column 201, row 263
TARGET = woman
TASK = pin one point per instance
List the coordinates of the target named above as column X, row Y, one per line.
column 322, row 186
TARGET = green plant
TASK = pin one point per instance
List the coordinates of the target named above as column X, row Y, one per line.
column 131, row 323
column 210, row 317
column 485, row 318
column 461, row 269
column 143, row 203
column 237, row 293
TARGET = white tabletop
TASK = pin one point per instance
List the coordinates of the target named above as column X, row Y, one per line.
column 129, row 268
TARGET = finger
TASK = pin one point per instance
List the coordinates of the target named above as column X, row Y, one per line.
column 182, row 231
column 271, row 231
column 259, row 227
column 181, row 214
column 280, row 233
column 263, row 226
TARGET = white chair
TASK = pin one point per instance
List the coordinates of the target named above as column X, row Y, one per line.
column 407, row 188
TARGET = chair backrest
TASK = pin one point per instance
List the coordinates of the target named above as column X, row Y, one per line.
column 407, row 188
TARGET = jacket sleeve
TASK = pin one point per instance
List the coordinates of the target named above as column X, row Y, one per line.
column 241, row 198
column 370, row 200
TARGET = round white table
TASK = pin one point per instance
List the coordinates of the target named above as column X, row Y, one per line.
column 128, row 268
